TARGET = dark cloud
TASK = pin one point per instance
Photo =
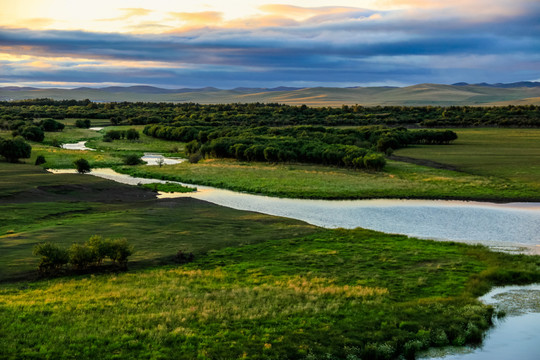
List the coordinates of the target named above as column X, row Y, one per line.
column 351, row 46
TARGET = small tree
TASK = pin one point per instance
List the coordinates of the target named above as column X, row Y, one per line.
column 132, row 159
column 85, row 124
column 119, row 251
column 82, row 166
column 53, row 258
column 81, row 256
column 40, row 160
column 132, row 134
column 15, row 149
column 33, row 133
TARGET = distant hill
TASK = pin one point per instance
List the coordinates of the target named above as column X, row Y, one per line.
column 422, row 94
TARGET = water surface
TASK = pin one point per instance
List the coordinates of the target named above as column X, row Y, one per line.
column 508, row 227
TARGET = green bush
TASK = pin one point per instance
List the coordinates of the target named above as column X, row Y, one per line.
column 53, row 258
column 84, row 124
column 374, row 161
column 82, row 166
column 40, row 160
column 81, row 256
column 132, row 159
column 119, row 250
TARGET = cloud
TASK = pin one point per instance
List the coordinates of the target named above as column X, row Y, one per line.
column 129, row 13
column 288, row 45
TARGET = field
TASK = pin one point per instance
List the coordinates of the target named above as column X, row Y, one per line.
column 70, row 208
column 261, row 287
column 512, row 154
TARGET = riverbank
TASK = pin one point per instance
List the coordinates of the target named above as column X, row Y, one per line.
column 399, row 181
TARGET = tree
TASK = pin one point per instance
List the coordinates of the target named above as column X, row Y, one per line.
column 15, row 149
column 52, row 257
column 51, row 125
column 40, row 160
column 85, row 124
column 33, row 133
column 132, row 134
column 82, row 166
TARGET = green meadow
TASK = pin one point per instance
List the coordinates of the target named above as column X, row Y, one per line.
column 260, row 287
column 510, row 154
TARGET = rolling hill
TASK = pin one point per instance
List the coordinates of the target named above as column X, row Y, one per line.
column 525, row 93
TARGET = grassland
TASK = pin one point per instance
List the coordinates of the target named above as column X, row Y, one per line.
column 261, row 287
column 36, row 206
column 333, row 294
column 512, row 154
column 399, row 180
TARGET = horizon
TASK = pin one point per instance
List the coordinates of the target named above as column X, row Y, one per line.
column 261, row 44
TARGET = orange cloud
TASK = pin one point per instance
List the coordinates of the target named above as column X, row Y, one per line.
column 199, row 18
column 303, row 13
column 129, row 13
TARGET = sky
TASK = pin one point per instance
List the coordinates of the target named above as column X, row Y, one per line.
column 260, row 43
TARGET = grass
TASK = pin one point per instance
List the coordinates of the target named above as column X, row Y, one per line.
column 144, row 144
column 37, row 207
column 333, row 294
column 399, row 180
column 169, row 187
column 512, row 154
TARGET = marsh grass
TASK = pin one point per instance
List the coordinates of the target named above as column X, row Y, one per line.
column 399, row 180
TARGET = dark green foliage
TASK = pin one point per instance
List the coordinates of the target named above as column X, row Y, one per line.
column 115, row 134
column 132, row 159
column 15, row 149
column 32, row 133
column 40, row 159
column 82, row 166
column 259, row 114
column 50, row 125
column 182, row 257
column 84, row 124
column 118, row 251
column 52, row 259
column 307, row 144
column 132, row 134
column 81, row 256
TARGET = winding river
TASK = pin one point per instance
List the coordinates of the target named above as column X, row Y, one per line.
column 508, row 227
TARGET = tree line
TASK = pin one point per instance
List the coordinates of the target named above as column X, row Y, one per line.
column 259, row 114
column 362, row 147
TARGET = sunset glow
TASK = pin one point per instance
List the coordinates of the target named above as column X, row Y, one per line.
column 257, row 43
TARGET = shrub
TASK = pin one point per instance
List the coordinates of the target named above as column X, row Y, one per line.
column 195, row 158
column 82, row 166
column 81, row 256
column 183, row 258
column 40, row 160
column 132, row 159
column 99, row 247
column 119, row 250
column 33, row 133
column 132, row 134
column 53, row 258
column 84, row 124
column 51, row 125
column 374, row 161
